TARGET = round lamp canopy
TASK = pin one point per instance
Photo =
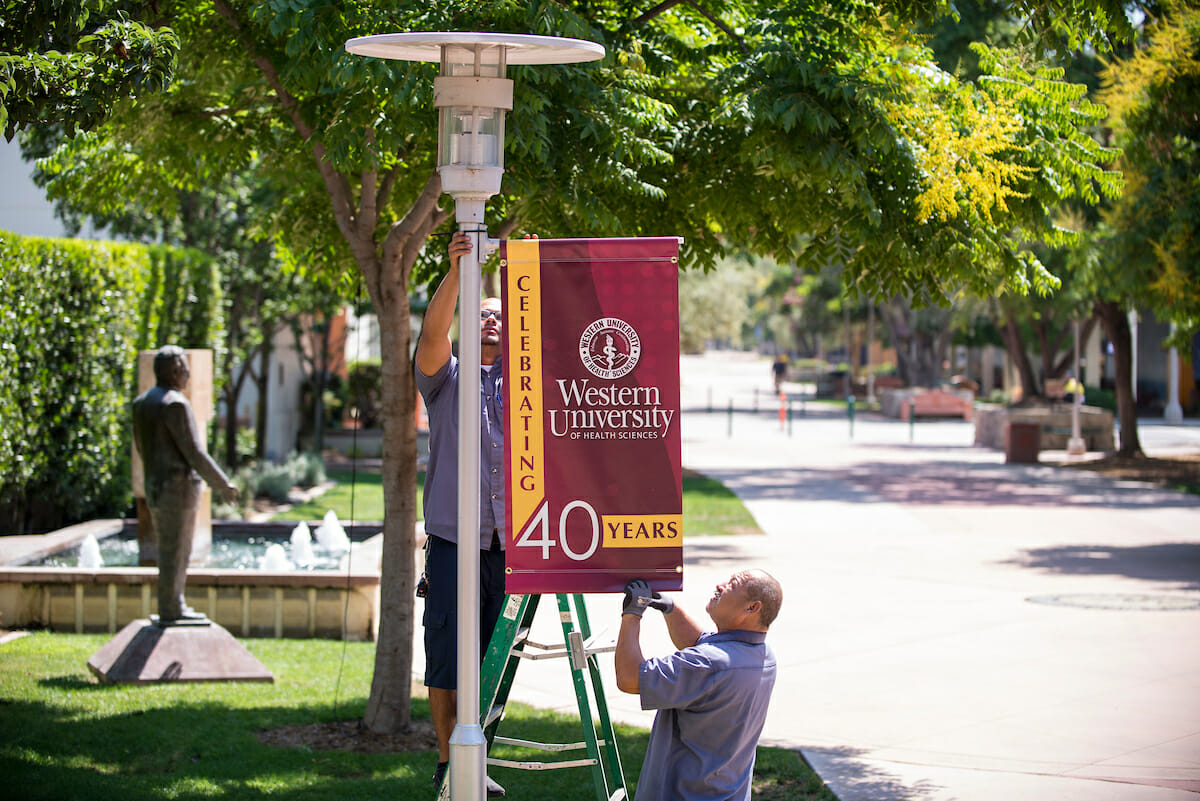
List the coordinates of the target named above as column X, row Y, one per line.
column 515, row 48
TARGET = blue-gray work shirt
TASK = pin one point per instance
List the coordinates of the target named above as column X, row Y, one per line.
column 440, row 501
column 712, row 703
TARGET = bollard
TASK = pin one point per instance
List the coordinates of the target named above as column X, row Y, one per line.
column 710, row 406
column 789, row 416
column 850, row 413
column 782, row 409
column 756, row 399
column 729, row 428
column 912, row 419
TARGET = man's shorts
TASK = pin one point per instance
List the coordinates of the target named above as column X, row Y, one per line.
column 441, row 608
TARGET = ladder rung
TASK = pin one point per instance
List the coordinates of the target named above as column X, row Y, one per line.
column 547, row 654
column 596, row 646
column 545, row 746
column 574, row 763
column 619, row 795
column 494, row 714
column 554, row 651
column 542, row 646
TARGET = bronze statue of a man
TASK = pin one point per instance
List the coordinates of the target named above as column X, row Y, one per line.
column 164, row 432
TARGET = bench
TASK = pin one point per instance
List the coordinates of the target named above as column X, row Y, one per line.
column 937, row 403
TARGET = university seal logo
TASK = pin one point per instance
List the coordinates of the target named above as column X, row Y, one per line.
column 609, row 348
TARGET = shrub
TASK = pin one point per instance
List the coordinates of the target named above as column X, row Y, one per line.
column 365, row 385
column 307, row 469
column 72, row 317
column 1102, row 398
column 274, row 481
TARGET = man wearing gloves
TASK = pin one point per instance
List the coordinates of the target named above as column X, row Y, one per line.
column 711, row 694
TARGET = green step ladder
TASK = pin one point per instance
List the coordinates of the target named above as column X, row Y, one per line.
column 510, row 644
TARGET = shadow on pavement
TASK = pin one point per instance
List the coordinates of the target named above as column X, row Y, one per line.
column 848, row 776
column 1169, row 561
column 942, row 483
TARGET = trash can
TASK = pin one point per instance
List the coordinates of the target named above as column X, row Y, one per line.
column 1022, row 441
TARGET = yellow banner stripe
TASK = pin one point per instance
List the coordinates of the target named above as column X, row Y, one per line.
column 642, row 531
column 523, row 373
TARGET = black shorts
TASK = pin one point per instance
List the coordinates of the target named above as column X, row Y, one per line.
column 441, row 608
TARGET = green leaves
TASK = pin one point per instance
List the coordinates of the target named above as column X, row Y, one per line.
column 70, row 63
column 1154, row 241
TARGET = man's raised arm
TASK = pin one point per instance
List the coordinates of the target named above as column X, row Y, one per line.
column 434, row 347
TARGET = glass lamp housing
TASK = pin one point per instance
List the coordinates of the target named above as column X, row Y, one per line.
column 472, row 135
column 471, row 95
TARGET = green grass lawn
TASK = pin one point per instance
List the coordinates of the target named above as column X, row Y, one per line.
column 64, row 736
column 360, row 491
column 708, row 506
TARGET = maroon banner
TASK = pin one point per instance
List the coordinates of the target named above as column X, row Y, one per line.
column 591, row 408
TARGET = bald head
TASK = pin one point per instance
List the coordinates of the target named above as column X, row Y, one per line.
column 761, row 586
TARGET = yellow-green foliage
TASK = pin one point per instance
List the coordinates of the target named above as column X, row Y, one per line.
column 1153, row 96
column 963, row 142
column 1170, row 55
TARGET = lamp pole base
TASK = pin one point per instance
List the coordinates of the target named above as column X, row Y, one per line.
column 468, row 770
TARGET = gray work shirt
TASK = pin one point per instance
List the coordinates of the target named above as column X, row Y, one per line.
column 440, row 501
column 712, row 703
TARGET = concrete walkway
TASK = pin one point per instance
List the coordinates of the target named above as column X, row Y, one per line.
column 953, row 627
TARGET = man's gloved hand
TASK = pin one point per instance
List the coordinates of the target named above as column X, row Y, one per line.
column 662, row 603
column 637, row 597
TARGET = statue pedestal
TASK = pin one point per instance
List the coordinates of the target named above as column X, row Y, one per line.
column 145, row 653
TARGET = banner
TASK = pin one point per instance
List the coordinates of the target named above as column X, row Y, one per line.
column 591, row 414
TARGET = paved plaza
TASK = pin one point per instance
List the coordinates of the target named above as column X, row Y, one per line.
column 953, row 627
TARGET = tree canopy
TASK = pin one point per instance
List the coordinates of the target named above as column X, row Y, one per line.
column 1154, row 95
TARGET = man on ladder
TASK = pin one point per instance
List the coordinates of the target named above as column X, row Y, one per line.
column 438, row 381
column 711, row 695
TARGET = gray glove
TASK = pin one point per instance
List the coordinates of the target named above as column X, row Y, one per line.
column 662, row 604
column 637, row 597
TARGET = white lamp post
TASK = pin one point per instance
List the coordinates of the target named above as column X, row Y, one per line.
column 1174, row 412
column 471, row 94
column 1076, row 446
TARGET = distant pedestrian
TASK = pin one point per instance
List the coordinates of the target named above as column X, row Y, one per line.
column 779, row 371
column 711, row 695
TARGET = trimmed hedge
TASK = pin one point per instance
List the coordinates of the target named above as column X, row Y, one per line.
column 73, row 315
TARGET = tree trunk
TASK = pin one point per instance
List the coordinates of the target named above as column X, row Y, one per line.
column 1015, row 345
column 1066, row 362
column 1116, row 327
column 320, row 376
column 263, row 383
column 919, row 348
column 233, row 393
column 389, row 704
column 899, row 333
